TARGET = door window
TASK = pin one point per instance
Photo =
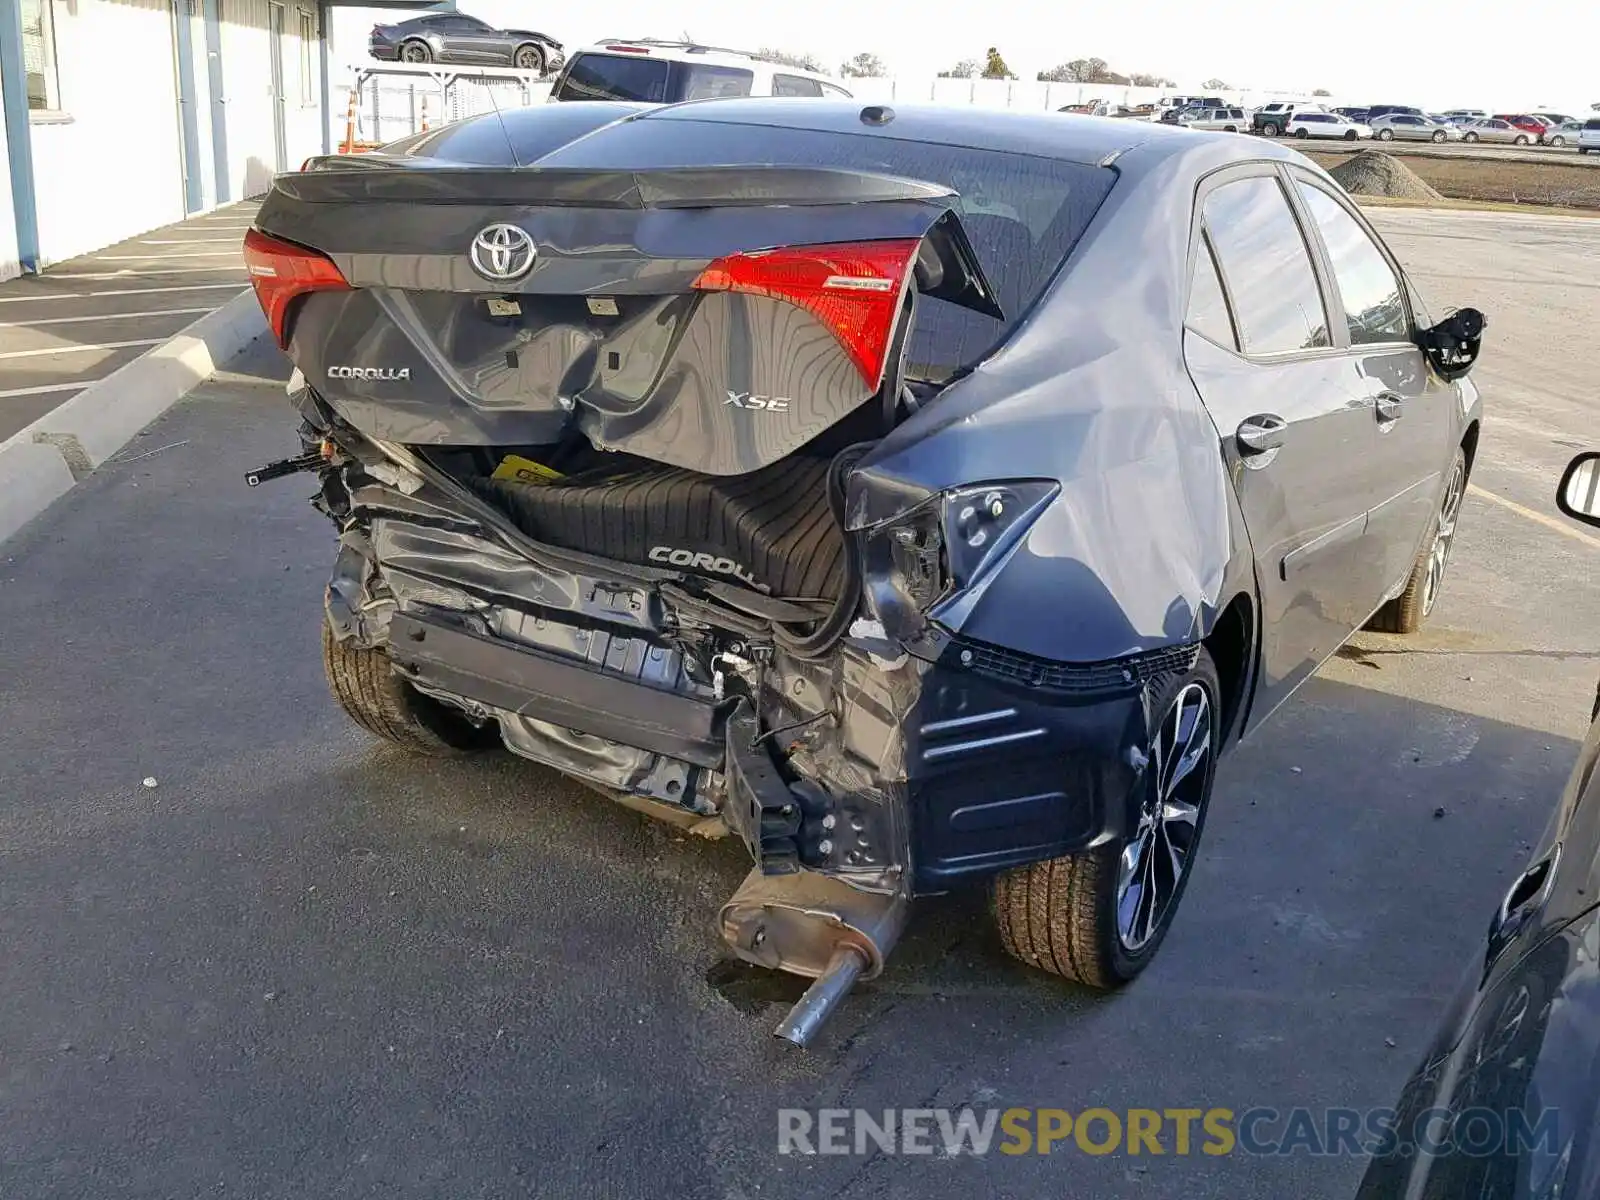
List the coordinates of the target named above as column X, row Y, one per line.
column 1270, row 278
column 703, row 81
column 795, row 85
column 1367, row 283
column 1208, row 307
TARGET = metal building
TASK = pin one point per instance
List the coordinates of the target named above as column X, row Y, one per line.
column 123, row 115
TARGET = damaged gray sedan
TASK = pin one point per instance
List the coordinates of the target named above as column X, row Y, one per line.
column 929, row 497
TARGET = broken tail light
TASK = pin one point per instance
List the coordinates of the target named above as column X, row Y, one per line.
column 853, row 288
column 282, row 272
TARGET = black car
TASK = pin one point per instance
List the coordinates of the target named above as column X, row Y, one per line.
column 1385, row 110
column 850, row 478
column 458, row 38
column 1505, row 1105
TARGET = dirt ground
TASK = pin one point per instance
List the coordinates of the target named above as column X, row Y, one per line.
column 1563, row 184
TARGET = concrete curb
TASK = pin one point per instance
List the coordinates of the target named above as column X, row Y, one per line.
column 40, row 463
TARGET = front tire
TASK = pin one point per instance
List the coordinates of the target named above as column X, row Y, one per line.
column 365, row 685
column 1386, row 135
column 1353, row 135
column 1470, row 137
column 1520, row 140
column 1438, row 135
column 416, row 52
column 1100, row 915
column 529, row 58
column 1301, row 133
column 1407, row 611
column 1558, row 140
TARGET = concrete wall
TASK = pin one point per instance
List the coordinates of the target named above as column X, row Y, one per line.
column 111, row 166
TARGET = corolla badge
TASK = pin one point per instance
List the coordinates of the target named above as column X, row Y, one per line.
column 503, row 252
column 386, row 374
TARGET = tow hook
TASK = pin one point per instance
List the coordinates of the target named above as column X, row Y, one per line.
column 285, row 466
column 817, row 926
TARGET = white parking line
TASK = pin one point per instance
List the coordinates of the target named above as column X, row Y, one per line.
column 40, row 391
column 1536, row 517
column 121, row 316
column 164, row 256
column 182, row 287
column 188, row 241
column 81, row 349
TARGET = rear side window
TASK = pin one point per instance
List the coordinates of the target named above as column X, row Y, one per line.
column 795, row 85
column 1592, row 124
column 705, row 82
column 1367, row 283
column 1208, row 307
column 1022, row 213
column 1264, row 257
column 615, row 77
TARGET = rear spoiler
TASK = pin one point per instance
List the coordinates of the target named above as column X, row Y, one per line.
column 347, row 179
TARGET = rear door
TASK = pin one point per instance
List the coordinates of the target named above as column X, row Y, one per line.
column 1295, row 421
column 1412, row 408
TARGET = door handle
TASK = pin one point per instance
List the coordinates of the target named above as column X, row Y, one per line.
column 1390, row 408
column 1260, row 437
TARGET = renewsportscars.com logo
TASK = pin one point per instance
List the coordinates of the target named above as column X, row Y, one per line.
column 1378, row 1132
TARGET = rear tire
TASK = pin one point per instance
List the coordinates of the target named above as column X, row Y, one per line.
column 1407, row 611
column 386, row 706
column 1558, row 140
column 1077, row 916
column 416, row 52
column 1301, row 133
column 1469, row 137
column 1269, row 130
column 1520, row 140
column 528, row 58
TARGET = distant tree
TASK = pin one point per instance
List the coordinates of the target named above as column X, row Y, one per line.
column 1060, row 73
column 1086, row 70
column 805, row 62
column 994, row 67
column 1155, row 81
column 1215, row 85
column 967, row 68
column 1322, row 92
column 864, row 66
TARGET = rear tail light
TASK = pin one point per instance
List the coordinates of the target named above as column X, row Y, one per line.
column 853, row 288
column 282, row 272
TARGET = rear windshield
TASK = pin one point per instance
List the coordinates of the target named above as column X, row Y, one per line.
column 615, row 77
column 1592, row 123
column 649, row 80
column 1022, row 213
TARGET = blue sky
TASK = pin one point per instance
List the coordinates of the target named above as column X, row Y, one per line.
column 1470, row 52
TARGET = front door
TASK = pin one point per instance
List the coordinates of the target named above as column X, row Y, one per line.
column 1412, row 407
column 280, row 117
column 1297, row 431
column 188, row 117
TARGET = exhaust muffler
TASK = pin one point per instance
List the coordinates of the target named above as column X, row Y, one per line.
column 816, row 926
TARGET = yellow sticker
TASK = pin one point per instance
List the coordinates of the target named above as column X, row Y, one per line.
column 525, row 470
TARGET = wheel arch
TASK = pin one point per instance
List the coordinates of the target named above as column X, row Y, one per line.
column 1469, row 443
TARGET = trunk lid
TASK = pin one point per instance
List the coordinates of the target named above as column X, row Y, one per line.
column 713, row 318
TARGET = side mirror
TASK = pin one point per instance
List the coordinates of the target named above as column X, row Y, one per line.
column 1452, row 345
column 1579, row 493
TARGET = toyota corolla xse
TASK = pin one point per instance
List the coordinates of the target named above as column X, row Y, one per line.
column 927, row 496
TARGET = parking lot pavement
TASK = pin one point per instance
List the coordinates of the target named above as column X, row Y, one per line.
column 302, row 965
column 84, row 318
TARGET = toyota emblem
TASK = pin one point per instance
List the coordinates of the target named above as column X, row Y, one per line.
column 503, row 253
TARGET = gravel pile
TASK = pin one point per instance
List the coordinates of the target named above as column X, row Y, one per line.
column 1374, row 173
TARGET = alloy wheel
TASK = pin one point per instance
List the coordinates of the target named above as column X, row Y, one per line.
column 416, row 54
column 1444, row 536
column 1154, row 860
